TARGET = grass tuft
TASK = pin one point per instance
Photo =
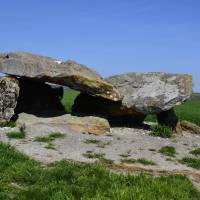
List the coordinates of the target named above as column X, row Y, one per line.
column 168, row 151
column 195, row 152
column 140, row 160
column 17, row 134
column 92, row 141
column 50, row 146
column 93, row 155
column 49, row 138
column 106, row 161
column 126, row 154
column 161, row 131
column 191, row 162
column 10, row 124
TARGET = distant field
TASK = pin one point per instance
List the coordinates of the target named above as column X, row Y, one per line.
column 68, row 99
column 195, row 96
column 189, row 110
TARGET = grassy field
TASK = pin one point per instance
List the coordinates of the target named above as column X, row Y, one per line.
column 25, row 179
column 189, row 110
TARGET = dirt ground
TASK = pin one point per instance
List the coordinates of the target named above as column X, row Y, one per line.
column 118, row 144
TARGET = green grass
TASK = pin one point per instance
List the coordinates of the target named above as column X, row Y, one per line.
column 168, row 151
column 92, row 141
column 109, row 134
column 51, row 146
column 23, row 179
column 161, row 131
column 140, row 160
column 195, row 152
column 68, row 99
column 17, row 134
column 93, row 155
column 10, row 124
column 189, row 111
column 126, row 154
column 191, row 162
column 49, row 138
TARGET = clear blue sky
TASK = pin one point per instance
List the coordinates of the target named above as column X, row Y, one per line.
column 112, row 36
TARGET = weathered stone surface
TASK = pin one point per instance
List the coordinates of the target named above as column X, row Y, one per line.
column 36, row 96
column 69, row 73
column 190, row 126
column 152, row 92
column 116, row 114
column 9, row 91
column 91, row 125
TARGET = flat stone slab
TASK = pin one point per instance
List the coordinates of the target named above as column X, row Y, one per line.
column 68, row 73
column 90, row 124
column 148, row 93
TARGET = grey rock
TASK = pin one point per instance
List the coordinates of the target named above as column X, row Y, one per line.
column 9, row 91
column 68, row 73
column 152, row 92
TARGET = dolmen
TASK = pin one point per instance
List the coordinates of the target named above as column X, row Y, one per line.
column 123, row 100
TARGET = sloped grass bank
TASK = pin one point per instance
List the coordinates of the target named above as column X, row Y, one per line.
column 23, row 179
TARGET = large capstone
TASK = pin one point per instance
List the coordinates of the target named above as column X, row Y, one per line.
column 9, row 91
column 147, row 93
column 68, row 73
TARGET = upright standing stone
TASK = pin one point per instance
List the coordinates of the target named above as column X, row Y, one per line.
column 9, row 91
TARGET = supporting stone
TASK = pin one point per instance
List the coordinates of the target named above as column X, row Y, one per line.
column 9, row 91
column 168, row 118
column 117, row 114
